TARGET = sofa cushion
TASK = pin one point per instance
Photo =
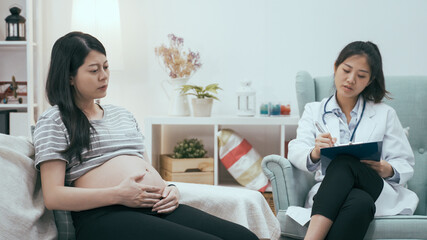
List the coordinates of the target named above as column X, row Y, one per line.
column 22, row 210
column 64, row 223
column 241, row 160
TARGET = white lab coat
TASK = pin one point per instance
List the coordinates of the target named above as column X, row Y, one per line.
column 379, row 123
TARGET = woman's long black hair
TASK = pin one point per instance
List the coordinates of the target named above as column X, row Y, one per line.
column 375, row 91
column 68, row 54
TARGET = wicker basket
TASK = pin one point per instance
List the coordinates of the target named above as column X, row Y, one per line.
column 269, row 198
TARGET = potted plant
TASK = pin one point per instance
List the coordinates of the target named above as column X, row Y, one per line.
column 202, row 104
column 188, row 163
column 189, row 148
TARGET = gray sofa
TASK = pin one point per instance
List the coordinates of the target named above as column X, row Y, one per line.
column 23, row 214
column 290, row 185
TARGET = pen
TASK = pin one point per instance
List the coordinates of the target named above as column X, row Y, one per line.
column 320, row 128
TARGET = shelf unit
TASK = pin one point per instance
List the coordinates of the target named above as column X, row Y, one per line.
column 266, row 134
column 23, row 59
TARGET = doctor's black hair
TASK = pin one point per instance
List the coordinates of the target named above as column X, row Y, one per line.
column 68, row 54
column 375, row 91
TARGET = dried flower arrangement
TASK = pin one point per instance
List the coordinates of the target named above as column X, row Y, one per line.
column 176, row 61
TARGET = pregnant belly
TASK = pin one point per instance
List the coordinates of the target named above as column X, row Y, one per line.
column 114, row 171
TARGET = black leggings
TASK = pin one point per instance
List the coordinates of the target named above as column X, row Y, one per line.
column 185, row 222
column 347, row 196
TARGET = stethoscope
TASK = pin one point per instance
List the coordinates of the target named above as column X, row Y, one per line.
column 327, row 112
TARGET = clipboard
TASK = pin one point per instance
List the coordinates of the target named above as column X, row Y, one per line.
column 368, row 151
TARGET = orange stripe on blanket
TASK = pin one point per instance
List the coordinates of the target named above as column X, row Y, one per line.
column 235, row 154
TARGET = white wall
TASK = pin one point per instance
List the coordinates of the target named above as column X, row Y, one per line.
column 266, row 41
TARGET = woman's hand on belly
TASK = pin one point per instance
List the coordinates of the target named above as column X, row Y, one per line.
column 134, row 194
column 169, row 202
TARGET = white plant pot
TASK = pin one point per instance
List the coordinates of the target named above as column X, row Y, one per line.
column 202, row 107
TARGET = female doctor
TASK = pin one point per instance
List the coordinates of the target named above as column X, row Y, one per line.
column 353, row 191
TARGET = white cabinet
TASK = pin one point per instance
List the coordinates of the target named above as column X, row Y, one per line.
column 266, row 134
column 22, row 59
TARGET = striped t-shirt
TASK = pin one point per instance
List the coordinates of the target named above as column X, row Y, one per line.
column 117, row 133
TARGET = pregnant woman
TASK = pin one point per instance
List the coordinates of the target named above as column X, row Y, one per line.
column 91, row 159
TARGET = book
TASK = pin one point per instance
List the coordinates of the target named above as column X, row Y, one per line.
column 363, row 151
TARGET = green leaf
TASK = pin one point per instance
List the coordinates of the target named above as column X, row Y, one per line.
column 212, row 87
column 201, row 92
column 211, row 96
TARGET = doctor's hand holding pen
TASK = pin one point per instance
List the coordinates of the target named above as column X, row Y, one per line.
column 323, row 140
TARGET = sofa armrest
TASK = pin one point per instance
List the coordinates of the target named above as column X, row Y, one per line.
column 290, row 185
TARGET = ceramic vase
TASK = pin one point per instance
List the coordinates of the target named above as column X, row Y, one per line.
column 178, row 103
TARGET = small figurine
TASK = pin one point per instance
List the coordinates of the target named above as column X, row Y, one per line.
column 11, row 90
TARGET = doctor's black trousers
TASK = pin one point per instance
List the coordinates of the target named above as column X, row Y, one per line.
column 347, row 196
